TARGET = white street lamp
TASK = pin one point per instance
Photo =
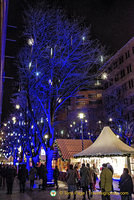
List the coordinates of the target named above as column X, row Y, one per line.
column 14, row 120
column 17, row 106
column 31, row 42
column 46, row 136
column 81, row 116
column 110, row 119
column 104, row 76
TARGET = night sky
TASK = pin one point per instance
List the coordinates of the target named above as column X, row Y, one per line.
column 112, row 22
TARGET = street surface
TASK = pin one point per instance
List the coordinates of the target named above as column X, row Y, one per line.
column 37, row 194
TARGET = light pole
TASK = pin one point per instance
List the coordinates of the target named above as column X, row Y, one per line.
column 81, row 116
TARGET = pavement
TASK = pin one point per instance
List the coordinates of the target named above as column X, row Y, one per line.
column 61, row 193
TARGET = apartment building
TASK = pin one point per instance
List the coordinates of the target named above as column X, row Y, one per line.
column 118, row 95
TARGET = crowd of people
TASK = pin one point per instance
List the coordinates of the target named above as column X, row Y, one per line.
column 83, row 178
column 9, row 172
column 87, row 176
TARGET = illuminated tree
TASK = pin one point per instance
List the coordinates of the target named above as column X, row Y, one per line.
column 115, row 107
column 58, row 59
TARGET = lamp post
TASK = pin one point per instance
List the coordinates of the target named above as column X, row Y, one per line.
column 81, row 116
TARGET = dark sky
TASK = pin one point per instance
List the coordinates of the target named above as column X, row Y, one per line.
column 112, row 22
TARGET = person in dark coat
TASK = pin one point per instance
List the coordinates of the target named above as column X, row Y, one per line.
column 84, row 173
column 0, row 175
column 3, row 173
column 126, row 185
column 71, row 181
column 56, row 175
column 10, row 174
column 43, row 175
column 32, row 175
column 22, row 176
column 91, row 179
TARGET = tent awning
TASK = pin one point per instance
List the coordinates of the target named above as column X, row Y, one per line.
column 107, row 144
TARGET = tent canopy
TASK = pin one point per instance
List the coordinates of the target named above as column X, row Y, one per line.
column 107, row 144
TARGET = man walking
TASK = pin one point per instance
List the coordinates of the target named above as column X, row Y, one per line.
column 84, row 173
column 106, row 182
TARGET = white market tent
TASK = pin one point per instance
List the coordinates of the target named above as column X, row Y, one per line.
column 107, row 144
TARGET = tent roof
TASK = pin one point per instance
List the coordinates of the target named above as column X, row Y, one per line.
column 69, row 147
column 107, row 144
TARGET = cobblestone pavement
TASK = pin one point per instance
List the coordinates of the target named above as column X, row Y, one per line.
column 37, row 194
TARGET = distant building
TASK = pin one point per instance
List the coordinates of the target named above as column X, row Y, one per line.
column 118, row 95
column 88, row 102
column 3, row 26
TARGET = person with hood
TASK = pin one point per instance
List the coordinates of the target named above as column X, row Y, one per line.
column 84, row 174
column 126, row 185
column 71, row 181
column 106, row 182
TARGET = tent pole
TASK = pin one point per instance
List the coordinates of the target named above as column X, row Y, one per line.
column 128, row 164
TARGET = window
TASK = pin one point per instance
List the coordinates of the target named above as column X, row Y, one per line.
column 118, row 92
column 106, row 85
column 131, row 83
column 116, row 77
column 110, row 69
column 121, row 60
column 126, row 101
column 92, row 96
column 133, row 49
column 111, row 82
column 80, row 97
column 122, row 73
column 115, row 64
column 127, row 117
column 99, row 95
column 127, row 54
column 132, row 115
column 124, row 87
column 129, row 69
column 132, row 100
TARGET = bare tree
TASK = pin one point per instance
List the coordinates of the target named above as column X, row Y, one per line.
column 59, row 59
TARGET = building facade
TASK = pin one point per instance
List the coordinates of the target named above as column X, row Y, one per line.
column 88, row 102
column 3, row 26
column 118, row 94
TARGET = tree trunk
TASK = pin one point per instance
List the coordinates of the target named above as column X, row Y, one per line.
column 35, row 159
column 15, row 157
column 49, row 157
column 27, row 163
